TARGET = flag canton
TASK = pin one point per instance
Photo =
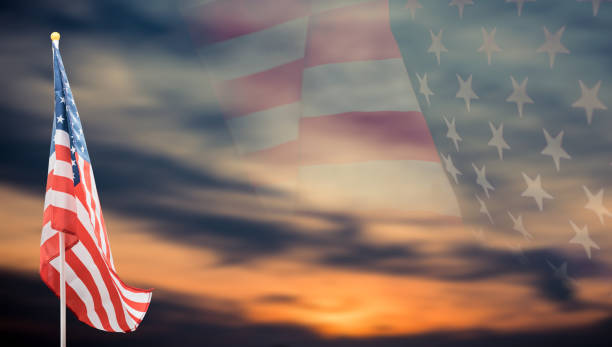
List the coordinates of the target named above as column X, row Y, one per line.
column 516, row 95
column 66, row 117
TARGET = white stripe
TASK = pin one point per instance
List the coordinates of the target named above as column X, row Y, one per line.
column 133, row 296
column 81, row 290
column 63, row 169
column 407, row 185
column 83, row 254
column 265, row 129
column 51, row 162
column 376, row 85
column 62, row 138
column 60, row 199
column 134, row 312
column 256, row 52
column 47, row 233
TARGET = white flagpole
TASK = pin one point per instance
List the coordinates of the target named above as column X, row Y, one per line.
column 55, row 40
column 62, row 292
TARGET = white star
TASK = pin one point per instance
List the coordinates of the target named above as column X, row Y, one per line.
column 519, row 95
column 518, row 226
column 452, row 132
column 424, row 88
column 460, row 4
column 519, row 4
column 596, row 205
column 62, row 99
column 483, row 209
column 481, row 179
column 73, row 163
column 82, row 149
column 554, row 149
column 465, row 91
column 589, row 100
column 436, row 44
column 596, row 4
column 582, row 238
column 450, row 167
column 535, row 190
column 60, row 119
column 561, row 273
column 553, row 45
column 72, row 150
column 498, row 139
column 488, row 44
column 413, row 5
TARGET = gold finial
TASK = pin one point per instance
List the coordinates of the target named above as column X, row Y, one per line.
column 55, row 36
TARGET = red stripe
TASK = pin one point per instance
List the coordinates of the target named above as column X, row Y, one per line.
column 60, row 218
column 79, row 268
column 223, row 20
column 364, row 136
column 60, row 183
column 278, row 86
column 62, row 153
column 49, row 249
column 353, row 33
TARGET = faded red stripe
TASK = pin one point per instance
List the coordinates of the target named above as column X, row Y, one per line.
column 281, row 85
column 353, row 33
column 363, row 136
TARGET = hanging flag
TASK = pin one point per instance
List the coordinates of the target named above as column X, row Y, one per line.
column 94, row 291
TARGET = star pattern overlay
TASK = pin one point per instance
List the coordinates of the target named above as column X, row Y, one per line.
column 512, row 91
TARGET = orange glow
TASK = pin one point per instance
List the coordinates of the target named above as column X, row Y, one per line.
column 292, row 288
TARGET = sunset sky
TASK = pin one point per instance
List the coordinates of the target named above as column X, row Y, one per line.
column 234, row 262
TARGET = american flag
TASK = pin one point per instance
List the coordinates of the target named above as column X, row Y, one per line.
column 494, row 112
column 94, row 291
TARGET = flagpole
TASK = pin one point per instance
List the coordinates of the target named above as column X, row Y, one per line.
column 55, row 36
column 62, row 292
